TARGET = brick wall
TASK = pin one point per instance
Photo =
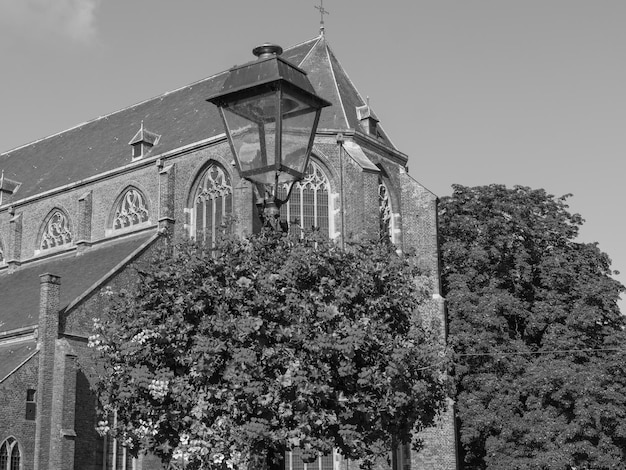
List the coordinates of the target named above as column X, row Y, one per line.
column 419, row 229
column 439, row 444
column 13, row 420
column 46, row 343
column 88, row 443
column 419, row 224
column 168, row 188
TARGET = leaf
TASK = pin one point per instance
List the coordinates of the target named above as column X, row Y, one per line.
column 327, row 341
column 530, row 310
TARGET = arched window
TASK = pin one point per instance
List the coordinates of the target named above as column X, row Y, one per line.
column 10, row 455
column 385, row 213
column 308, row 205
column 401, row 457
column 293, row 461
column 131, row 209
column 212, row 203
column 56, row 231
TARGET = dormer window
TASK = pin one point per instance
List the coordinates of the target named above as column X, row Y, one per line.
column 7, row 188
column 137, row 151
column 367, row 120
column 143, row 142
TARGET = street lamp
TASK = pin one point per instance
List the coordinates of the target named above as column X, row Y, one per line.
column 270, row 113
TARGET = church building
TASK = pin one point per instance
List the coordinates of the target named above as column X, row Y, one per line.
column 79, row 207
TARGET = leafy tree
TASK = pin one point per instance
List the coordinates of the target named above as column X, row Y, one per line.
column 215, row 356
column 537, row 333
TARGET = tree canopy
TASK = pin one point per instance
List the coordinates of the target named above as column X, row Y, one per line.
column 272, row 342
column 539, row 361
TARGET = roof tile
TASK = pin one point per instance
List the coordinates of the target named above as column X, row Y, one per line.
column 181, row 117
column 13, row 355
column 19, row 290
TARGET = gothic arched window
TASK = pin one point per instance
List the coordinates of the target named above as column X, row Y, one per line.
column 212, row 203
column 293, row 461
column 56, row 231
column 10, row 456
column 385, row 212
column 308, row 206
column 131, row 209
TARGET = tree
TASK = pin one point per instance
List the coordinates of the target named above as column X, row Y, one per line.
column 539, row 342
column 216, row 355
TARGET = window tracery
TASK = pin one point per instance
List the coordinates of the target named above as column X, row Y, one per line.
column 56, row 232
column 385, row 212
column 308, row 205
column 213, row 203
column 10, row 456
column 131, row 209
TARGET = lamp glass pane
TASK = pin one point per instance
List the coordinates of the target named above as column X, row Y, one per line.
column 252, row 127
column 297, row 128
column 245, row 137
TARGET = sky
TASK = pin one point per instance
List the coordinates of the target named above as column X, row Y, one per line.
column 516, row 92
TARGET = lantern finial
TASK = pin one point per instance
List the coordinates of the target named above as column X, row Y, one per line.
column 267, row 50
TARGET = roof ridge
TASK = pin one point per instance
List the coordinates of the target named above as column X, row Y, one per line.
column 139, row 103
column 365, row 102
column 328, row 52
column 316, row 39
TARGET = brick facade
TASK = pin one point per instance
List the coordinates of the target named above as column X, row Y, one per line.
column 63, row 434
column 47, row 390
column 13, row 420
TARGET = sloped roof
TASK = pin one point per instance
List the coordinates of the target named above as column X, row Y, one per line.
column 181, row 117
column 15, row 354
column 19, row 306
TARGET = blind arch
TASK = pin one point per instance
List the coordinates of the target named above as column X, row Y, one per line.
column 130, row 209
column 56, row 230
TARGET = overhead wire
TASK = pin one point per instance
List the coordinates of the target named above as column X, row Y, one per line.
column 554, row 351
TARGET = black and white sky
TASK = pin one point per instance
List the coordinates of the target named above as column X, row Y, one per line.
column 528, row 92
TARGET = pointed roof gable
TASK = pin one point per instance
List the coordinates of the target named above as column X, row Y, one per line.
column 332, row 83
column 13, row 355
column 182, row 117
column 79, row 274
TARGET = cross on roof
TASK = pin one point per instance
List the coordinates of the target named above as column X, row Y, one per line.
column 323, row 11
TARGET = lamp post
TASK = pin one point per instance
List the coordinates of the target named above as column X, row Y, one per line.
column 270, row 113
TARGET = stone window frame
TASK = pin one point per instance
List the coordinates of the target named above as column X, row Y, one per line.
column 310, row 179
column 50, row 230
column 401, row 458
column 389, row 206
column 385, row 210
column 118, row 212
column 7, row 449
column 200, row 189
column 293, row 461
column 31, row 404
column 115, row 455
